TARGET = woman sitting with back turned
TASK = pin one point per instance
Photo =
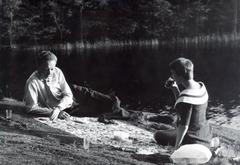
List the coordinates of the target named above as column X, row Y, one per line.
column 191, row 107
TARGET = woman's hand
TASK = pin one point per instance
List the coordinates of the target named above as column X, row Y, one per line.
column 170, row 83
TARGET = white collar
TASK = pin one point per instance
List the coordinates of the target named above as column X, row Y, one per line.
column 193, row 96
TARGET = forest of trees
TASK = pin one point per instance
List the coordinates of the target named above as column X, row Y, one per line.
column 34, row 22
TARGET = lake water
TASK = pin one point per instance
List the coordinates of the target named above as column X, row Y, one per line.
column 136, row 74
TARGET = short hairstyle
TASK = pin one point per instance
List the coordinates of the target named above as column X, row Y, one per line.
column 183, row 67
column 45, row 56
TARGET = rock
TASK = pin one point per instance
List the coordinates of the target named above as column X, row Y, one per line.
column 121, row 136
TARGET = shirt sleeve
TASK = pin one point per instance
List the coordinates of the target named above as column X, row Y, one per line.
column 30, row 96
column 67, row 98
column 184, row 112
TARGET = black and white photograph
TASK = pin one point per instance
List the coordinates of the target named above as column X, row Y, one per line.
column 119, row 82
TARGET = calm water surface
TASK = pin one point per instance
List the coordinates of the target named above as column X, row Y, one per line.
column 137, row 75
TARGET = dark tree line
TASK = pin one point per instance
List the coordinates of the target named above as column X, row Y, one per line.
column 59, row 21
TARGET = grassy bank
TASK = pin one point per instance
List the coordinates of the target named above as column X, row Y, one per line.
column 24, row 140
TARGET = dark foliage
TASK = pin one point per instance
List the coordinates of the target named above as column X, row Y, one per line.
column 52, row 21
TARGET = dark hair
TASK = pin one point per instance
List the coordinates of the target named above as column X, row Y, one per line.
column 183, row 67
column 45, row 56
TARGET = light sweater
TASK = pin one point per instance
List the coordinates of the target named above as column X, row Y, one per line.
column 50, row 93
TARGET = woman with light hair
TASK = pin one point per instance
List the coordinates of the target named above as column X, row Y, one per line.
column 191, row 108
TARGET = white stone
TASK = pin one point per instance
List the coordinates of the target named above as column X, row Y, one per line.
column 120, row 135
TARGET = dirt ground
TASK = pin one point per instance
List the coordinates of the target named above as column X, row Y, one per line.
column 24, row 140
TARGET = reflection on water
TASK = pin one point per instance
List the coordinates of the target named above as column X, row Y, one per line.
column 136, row 74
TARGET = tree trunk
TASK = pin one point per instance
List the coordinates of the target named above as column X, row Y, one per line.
column 10, row 30
column 235, row 27
column 81, row 25
column 58, row 27
column 1, row 10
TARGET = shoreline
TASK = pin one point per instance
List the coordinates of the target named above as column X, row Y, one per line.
column 30, row 141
